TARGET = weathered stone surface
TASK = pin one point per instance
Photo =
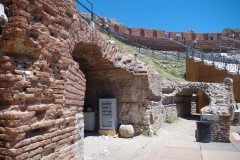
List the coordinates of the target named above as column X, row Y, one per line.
column 126, row 131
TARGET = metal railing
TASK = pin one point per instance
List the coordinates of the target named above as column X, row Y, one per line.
column 229, row 62
column 149, row 47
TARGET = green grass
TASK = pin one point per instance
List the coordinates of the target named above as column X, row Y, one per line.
column 164, row 67
column 170, row 119
column 122, row 48
column 155, row 133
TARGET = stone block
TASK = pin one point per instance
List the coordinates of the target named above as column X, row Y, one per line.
column 126, row 131
column 209, row 117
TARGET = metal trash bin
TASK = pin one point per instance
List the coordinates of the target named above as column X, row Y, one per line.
column 203, row 131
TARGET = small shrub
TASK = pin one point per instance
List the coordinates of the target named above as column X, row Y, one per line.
column 155, row 133
column 170, row 119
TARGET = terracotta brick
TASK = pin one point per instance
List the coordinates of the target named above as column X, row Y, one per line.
column 12, row 137
column 35, row 152
column 37, row 107
column 16, row 115
column 31, row 146
column 16, row 130
column 20, row 84
column 6, row 59
column 7, row 96
column 4, row 84
column 55, row 106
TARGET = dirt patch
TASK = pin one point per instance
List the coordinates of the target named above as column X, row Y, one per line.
column 97, row 147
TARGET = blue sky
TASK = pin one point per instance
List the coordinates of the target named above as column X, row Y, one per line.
column 202, row 16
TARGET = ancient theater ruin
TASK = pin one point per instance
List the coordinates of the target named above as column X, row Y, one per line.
column 54, row 65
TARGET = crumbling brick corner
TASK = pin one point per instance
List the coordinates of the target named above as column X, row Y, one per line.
column 41, row 87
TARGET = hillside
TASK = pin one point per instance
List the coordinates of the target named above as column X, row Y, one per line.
column 169, row 70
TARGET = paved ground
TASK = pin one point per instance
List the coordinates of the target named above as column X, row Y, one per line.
column 173, row 141
column 158, row 149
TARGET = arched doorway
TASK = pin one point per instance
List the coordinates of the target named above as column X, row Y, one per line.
column 155, row 34
column 116, row 28
column 218, row 36
column 193, row 36
column 142, row 33
column 205, row 36
column 187, row 102
column 105, row 80
column 129, row 31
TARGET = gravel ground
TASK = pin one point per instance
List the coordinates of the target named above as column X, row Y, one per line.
column 97, row 147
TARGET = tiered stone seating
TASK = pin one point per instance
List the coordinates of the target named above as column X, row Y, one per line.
column 213, row 45
column 152, row 43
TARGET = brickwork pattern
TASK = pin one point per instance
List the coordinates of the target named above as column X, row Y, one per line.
column 42, row 89
column 43, row 80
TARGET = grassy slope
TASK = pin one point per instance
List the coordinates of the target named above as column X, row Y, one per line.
column 170, row 71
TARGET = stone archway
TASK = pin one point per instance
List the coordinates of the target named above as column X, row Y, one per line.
column 187, row 101
column 116, row 28
column 217, row 111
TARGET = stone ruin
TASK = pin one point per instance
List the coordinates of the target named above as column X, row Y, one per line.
column 53, row 66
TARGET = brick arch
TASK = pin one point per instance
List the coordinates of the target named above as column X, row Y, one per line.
column 142, row 32
column 205, row 36
column 155, row 33
column 53, row 78
column 129, row 31
column 219, row 36
column 193, row 36
column 116, row 28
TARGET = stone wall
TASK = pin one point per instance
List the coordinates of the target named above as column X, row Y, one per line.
column 42, row 89
column 177, row 102
column 220, row 126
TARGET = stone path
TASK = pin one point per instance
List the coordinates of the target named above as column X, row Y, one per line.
column 188, row 150
column 158, row 149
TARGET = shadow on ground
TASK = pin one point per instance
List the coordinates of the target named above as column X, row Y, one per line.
column 192, row 117
column 90, row 133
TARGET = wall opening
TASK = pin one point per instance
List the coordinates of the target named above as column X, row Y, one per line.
column 103, row 80
column 218, row 36
column 142, row 33
column 193, row 36
column 116, row 28
column 186, row 104
column 205, row 36
column 129, row 31
column 155, row 34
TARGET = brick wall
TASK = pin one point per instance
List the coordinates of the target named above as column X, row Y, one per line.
column 42, row 89
column 189, row 36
